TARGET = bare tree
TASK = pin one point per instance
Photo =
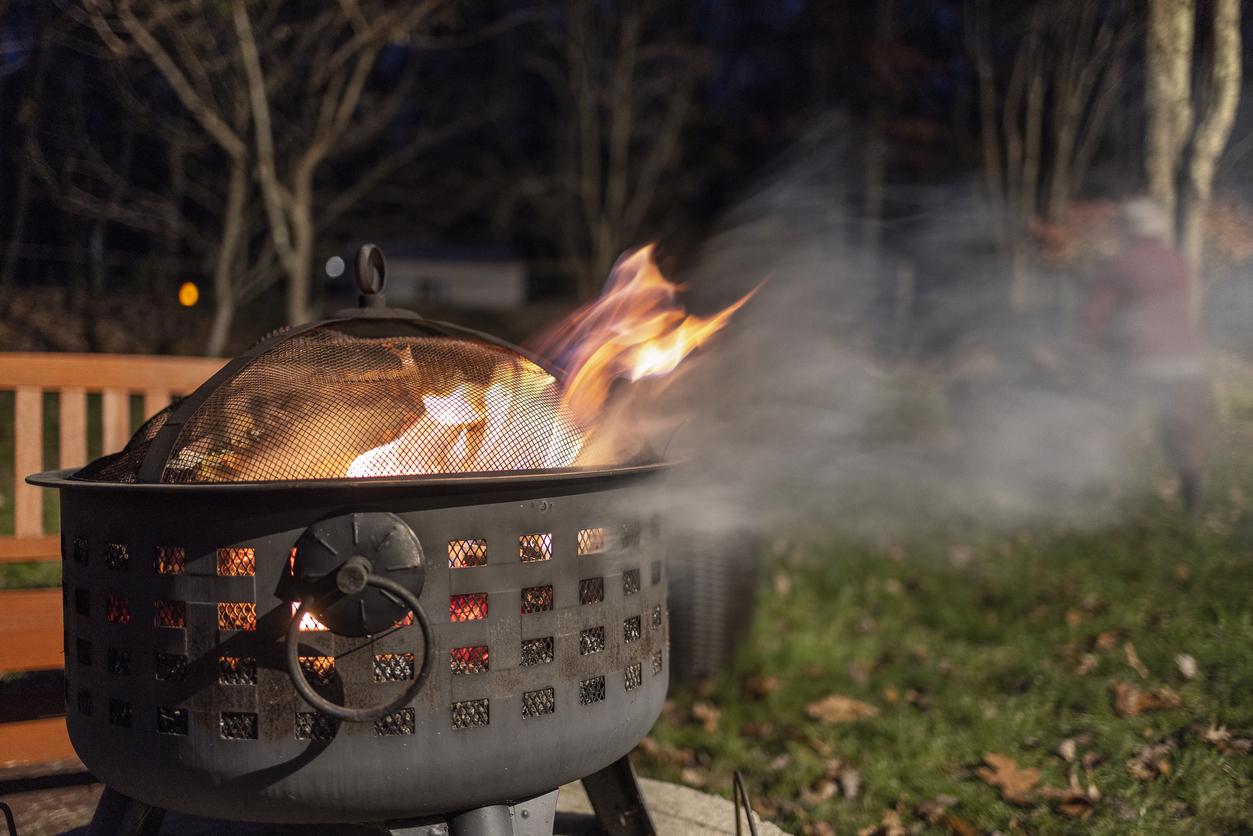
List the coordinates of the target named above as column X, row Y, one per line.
column 627, row 79
column 1213, row 132
column 280, row 89
column 1072, row 54
column 1168, row 93
column 1169, row 98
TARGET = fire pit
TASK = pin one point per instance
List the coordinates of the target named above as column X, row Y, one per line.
column 361, row 575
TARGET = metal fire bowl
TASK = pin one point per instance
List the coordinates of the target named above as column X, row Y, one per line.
column 169, row 703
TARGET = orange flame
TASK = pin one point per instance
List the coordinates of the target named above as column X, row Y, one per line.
column 636, row 329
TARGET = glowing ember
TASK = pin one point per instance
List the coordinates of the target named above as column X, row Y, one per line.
column 520, row 419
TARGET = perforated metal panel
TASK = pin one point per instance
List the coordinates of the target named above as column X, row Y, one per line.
column 239, row 725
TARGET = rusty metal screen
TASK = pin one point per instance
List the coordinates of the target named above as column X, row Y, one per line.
column 325, row 404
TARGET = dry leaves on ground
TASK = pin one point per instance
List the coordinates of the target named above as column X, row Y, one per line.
column 707, row 715
column 1224, row 741
column 837, row 709
column 759, row 686
column 1134, row 660
column 1151, row 761
column 818, row 828
column 1017, row 785
column 1074, row 801
column 891, row 826
column 1130, row 701
column 1186, row 665
column 933, row 811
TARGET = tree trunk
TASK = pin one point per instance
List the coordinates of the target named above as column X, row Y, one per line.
column 228, row 259
column 1212, row 135
column 1168, row 94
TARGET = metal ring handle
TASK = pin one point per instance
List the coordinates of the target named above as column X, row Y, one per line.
column 343, row 712
column 371, row 269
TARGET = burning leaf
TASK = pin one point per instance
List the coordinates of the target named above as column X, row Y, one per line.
column 1130, row 701
column 1151, row 761
column 1186, row 665
column 837, row 709
column 1017, row 785
column 1134, row 660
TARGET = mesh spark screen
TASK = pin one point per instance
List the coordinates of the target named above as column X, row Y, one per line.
column 324, row 404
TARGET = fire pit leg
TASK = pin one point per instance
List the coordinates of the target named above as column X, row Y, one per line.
column 534, row 817
column 119, row 815
column 616, row 798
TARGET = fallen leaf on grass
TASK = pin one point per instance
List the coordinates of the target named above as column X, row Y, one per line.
column 1124, row 810
column 692, row 776
column 859, row 671
column 891, row 695
column 1017, row 785
column 1150, row 762
column 1074, row 801
column 891, row 826
column 1108, row 640
column 1186, row 665
column 850, row 783
column 837, row 709
column 1130, row 701
column 818, row 828
column 1224, row 741
column 1067, row 749
column 1134, row 660
column 1087, row 664
column 933, row 811
column 707, row 715
column 818, row 792
column 959, row 827
column 760, row 686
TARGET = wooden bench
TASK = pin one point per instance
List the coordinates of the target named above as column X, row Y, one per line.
column 30, row 619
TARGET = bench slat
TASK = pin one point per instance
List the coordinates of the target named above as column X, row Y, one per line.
column 116, row 419
column 45, row 548
column 27, row 459
column 72, row 425
column 33, row 741
column 30, row 630
column 135, row 372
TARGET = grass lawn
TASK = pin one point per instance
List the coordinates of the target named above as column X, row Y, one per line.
column 1014, row 647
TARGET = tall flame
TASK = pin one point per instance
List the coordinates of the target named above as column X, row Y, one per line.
column 636, row 329
column 517, row 419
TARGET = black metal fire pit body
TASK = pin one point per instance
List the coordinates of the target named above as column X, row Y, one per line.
column 374, row 649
